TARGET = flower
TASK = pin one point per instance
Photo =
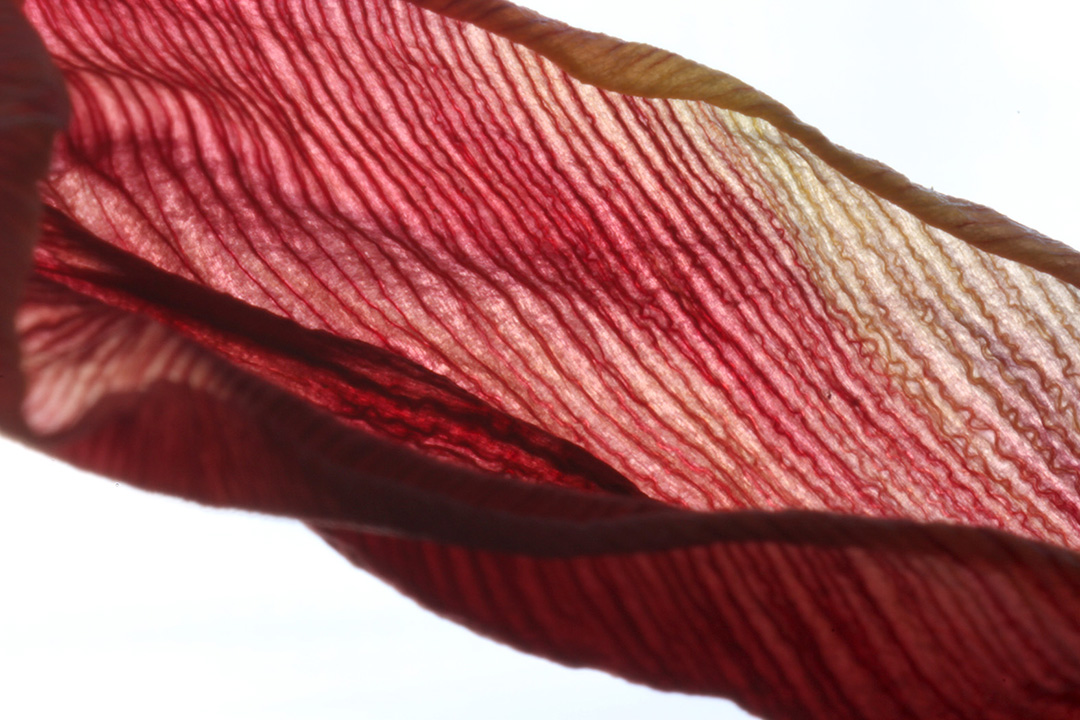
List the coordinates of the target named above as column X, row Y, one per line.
column 600, row 352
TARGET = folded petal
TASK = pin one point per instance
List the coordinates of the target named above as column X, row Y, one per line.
column 598, row 351
column 32, row 109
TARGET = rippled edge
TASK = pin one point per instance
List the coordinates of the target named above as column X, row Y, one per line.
column 633, row 68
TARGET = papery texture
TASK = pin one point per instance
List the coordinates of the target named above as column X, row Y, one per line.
column 667, row 385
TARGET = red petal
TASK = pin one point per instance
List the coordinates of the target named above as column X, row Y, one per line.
column 32, row 109
column 497, row 333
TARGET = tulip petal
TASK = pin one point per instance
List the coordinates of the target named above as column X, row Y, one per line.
column 32, row 109
column 597, row 351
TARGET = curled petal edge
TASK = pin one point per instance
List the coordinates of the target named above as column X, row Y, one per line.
column 632, row 68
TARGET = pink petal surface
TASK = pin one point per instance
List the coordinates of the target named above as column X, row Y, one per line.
column 472, row 319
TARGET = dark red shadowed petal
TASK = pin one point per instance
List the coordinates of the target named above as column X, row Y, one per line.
column 501, row 309
column 32, row 109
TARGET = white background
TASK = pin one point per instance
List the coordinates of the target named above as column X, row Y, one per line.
column 121, row 604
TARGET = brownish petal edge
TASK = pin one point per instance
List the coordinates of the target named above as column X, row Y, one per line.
column 633, row 68
column 33, row 108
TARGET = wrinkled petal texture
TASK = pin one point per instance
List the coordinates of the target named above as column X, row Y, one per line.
column 657, row 381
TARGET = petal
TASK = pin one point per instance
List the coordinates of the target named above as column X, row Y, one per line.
column 794, row 614
column 499, row 307
column 32, row 109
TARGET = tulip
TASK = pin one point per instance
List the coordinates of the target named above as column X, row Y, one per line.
column 673, row 386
